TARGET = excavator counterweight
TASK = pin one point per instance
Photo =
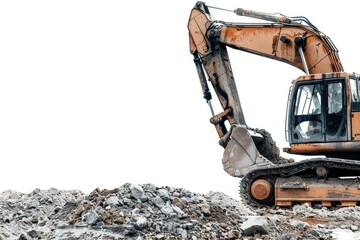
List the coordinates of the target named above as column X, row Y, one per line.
column 323, row 112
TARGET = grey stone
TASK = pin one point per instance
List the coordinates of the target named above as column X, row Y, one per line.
column 289, row 236
column 313, row 232
column 11, row 195
column 33, row 204
column 32, row 233
column 169, row 227
column 8, row 218
column 92, row 217
column 113, row 200
column 354, row 228
column 167, row 209
column 141, row 222
column 299, row 224
column 148, row 187
column 164, row 194
column 127, row 201
column 144, row 198
column 160, row 237
column 255, row 224
column 24, row 237
column 158, row 201
column 320, row 225
column 135, row 212
column 70, row 205
column 188, row 226
column 178, row 211
column 136, row 191
column 182, row 232
column 129, row 229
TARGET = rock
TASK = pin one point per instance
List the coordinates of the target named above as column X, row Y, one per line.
column 164, row 194
column 158, row 201
column 354, row 228
column 32, row 204
column 33, row 233
column 254, row 225
column 178, row 202
column 299, row 224
column 24, row 237
column 188, row 226
column 167, row 209
column 8, row 218
column 113, row 200
column 289, row 236
column 159, row 237
column 141, row 222
column 313, row 232
column 92, row 217
column 205, row 209
column 178, row 211
column 10, row 195
column 69, row 206
column 136, row 191
column 223, row 225
column 182, row 233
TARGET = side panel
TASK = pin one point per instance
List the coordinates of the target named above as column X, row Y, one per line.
column 355, row 125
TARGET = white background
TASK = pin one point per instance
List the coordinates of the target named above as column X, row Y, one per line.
column 101, row 93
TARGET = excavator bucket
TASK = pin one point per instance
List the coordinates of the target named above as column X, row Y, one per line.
column 241, row 155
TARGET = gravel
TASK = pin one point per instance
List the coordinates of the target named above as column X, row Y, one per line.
column 146, row 211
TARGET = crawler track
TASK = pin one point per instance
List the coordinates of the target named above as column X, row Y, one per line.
column 306, row 168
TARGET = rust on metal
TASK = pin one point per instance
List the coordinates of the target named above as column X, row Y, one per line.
column 293, row 190
column 197, row 26
column 260, row 189
column 293, row 185
column 326, row 203
column 355, row 124
column 322, row 171
column 216, row 118
column 323, row 148
column 348, row 203
column 264, row 40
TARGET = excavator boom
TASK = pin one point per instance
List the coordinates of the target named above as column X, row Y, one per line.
column 279, row 41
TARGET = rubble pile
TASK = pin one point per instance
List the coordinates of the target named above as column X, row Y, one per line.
column 148, row 212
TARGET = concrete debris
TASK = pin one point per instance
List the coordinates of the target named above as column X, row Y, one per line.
column 255, row 225
column 142, row 212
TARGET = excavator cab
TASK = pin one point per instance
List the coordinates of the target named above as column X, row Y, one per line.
column 323, row 116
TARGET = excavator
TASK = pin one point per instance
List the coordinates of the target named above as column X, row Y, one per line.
column 322, row 114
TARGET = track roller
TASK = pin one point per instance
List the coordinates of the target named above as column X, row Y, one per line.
column 262, row 190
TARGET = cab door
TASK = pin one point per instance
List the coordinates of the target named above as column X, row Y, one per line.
column 335, row 111
column 355, row 108
column 305, row 113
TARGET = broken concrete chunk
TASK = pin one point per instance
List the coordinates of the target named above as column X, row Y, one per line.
column 255, row 225
column 136, row 191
